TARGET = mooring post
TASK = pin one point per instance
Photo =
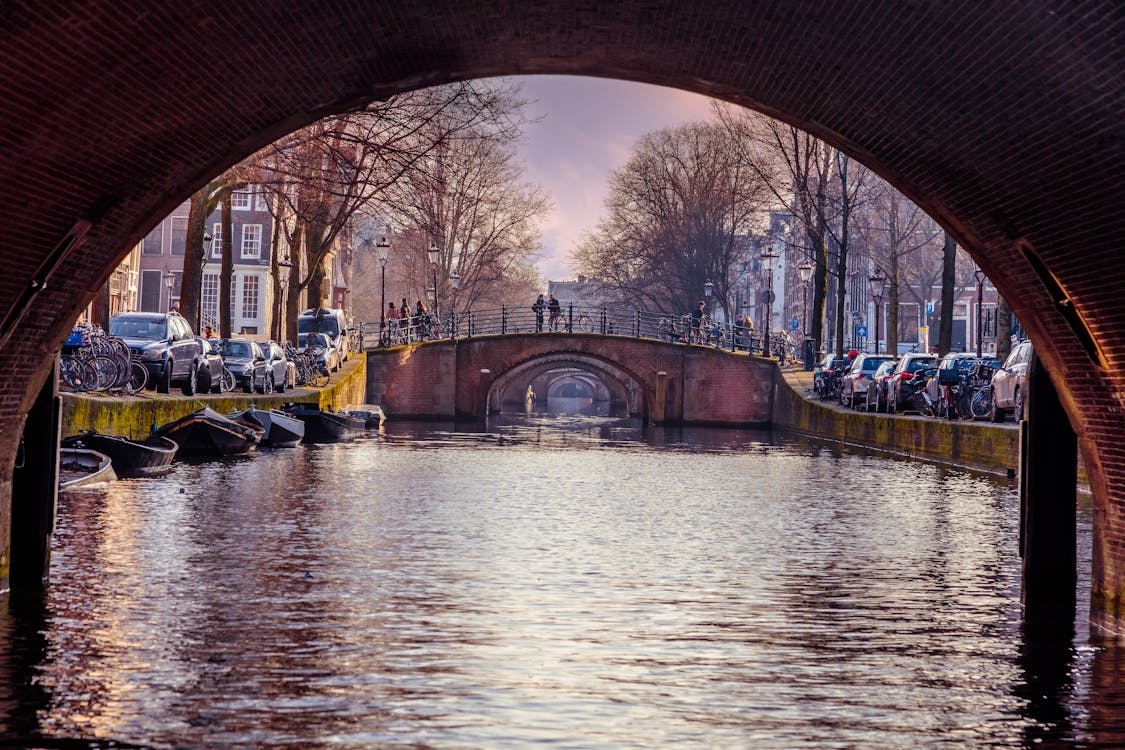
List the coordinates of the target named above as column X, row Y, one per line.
column 1048, row 503
column 35, row 487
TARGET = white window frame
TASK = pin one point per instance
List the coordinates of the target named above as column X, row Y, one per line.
column 157, row 233
column 260, row 200
column 209, row 297
column 251, row 298
column 217, row 241
column 251, row 247
column 240, row 199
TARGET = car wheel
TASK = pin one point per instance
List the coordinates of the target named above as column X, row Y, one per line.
column 280, row 386
column 164, row 380
column 217, row 383
column 267, row 385
column 248, row 386
column 995, row 413
column 192, row 382
column 1018, row 410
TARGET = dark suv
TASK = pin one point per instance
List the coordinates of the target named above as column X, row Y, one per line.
column 164, row 344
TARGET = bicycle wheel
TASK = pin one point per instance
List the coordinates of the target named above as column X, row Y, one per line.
column 76, row 374
column 319, row 377
column 107, row 371
column 923, row 405
column 138, row 378
column 981, row 406
column 584, row 324
column 228, row 382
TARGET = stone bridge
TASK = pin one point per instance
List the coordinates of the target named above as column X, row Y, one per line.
column 661, row 382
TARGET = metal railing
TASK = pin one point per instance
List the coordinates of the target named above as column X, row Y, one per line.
column 575, row 319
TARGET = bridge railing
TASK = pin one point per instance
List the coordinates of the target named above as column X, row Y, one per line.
column 605, row 321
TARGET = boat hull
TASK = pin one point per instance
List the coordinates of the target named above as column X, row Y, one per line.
column 82, row 467
column 206, row 432
column 328, row 427
column 281, row 430
column 130, row 458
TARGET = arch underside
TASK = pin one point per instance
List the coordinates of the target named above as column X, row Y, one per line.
column 1003, row 122
column 637, row 394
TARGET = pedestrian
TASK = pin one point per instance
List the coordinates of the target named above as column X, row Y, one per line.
column 420, row 320
column 555, row 310
column 392, row 322
column 208, row 332
column 176, row 307
column 538, row 308
column 697, row 323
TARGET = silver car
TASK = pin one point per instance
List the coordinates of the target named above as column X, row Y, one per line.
column 1009, row 384
column 853, row 391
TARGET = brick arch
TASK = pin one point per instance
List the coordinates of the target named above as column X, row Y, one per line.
column 1002, row 121
column 629, row 382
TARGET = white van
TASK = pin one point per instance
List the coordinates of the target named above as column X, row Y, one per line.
column 329, row 321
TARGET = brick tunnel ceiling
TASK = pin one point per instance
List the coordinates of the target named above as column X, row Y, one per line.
column 1004, row 121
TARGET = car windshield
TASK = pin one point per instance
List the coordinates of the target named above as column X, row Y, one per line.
column 237, row 349
column 872, row 364
column 324, row 324
column 921, row 363
column 311, row 339
column 149, row 329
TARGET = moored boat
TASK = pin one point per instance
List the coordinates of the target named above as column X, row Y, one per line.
column 207, row 432
column 131, row 458
column 281, row 430
column 81, row 467
column 326, row 426
column 371, row 414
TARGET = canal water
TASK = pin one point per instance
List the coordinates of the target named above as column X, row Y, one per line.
column 566, row 581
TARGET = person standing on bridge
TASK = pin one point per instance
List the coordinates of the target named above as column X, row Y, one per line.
column 538, row 308
column 696, row 336
column 555, row 309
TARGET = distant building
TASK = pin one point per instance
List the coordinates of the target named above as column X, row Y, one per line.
column 585, row 293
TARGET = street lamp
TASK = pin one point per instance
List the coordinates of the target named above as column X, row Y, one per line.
column 708, row 290
column 454, row 284
column 435, row 256
column 877, row 280
column 980, row 308
column 169, row 284
column 768, row 257
column 805, row 269
column 383, row 253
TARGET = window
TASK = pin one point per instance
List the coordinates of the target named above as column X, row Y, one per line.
column 154, row 242
column 178, row 233
column 250, row 297
column 151, row 282
column 260, row 200
column 251, row 241
column 240, row 200
column 209, row 299
column 217, row 241
column 177, row 287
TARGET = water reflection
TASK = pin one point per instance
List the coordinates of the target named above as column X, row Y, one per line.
column 583, row 580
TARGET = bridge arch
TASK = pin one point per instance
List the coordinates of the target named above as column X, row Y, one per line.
column 1013, row 144
column 638, row 396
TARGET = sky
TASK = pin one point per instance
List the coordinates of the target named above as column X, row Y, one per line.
column 587, row 129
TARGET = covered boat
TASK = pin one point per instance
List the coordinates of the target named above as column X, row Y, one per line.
column 326, row 426
column 81, row 467
column 130, row 458
column 371, row 414
column 281, row 430
column 207, row 432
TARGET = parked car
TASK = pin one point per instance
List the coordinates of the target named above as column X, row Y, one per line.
column 900, row 386
column 246, row 360
column 858, row 378
column 277, row 366
column 332, row 322
column 876, row 399
column 1009, row 383
column 210, row 372
column 164, row 344
column 327, row 355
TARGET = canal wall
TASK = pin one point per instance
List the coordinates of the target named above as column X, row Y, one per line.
column 976, row 445
column 134, row 416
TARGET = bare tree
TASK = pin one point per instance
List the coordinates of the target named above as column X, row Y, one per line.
column 948, row 287
column 681, row 212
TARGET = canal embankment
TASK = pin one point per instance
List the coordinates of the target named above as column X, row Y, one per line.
column 134, row 416
column 981, row 446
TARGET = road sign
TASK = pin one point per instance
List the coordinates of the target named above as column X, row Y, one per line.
column 794, row 324
column 929, row 307
column 861, row 332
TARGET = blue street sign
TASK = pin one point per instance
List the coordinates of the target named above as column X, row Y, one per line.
column 861, row 332
column 794, row 324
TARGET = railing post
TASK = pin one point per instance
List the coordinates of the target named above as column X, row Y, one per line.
column 636, row 324
column 470, row 333
column 503, row 320
column 452, row 325
column 730, row 328
column 570, row 318
column 603, row 321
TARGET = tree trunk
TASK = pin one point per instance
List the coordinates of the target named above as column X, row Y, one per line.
column 948, row 287
column 892, row 304
column 293, row 296
column 226, row 276
column 275, row 308
column 194, row 254
column 1003, row 329
column 99, row 307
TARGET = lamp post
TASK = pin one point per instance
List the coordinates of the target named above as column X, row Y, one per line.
column 383, row 253
column 708, row 290
column 454, row 285
column 768, row 257
column 169, row 284
column 980, row 308
column 805, row 269
column 877, row 280
column 435, row 256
